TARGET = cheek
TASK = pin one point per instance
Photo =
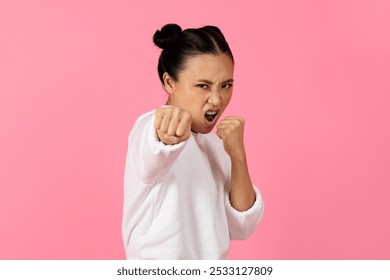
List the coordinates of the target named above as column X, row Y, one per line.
column 201, row 99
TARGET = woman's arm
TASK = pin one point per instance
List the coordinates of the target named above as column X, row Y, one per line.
column 242, row 195
column 231, row 131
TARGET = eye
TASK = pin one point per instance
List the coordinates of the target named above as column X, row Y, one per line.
column 226, row 86
column 202, row 86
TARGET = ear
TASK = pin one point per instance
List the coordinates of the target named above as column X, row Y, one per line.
column 169, row 83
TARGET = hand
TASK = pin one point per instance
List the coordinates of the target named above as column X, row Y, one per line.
column 231, row 131
column 173, row 125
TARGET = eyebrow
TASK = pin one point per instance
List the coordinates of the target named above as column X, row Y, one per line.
column 209, row 82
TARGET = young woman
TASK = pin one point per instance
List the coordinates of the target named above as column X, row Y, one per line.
column 188, row 191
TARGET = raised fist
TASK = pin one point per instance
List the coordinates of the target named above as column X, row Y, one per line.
column 173, row 125
column 231, row 131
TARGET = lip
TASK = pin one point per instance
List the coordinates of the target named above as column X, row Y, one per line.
column 216, row 110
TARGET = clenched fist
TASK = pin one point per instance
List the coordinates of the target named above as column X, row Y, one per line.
column 173, row 125
column 231, row 131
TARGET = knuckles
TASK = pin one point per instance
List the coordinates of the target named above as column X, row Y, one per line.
column 186, row 116
column 172, row 135
column 173, row 112
column 230, row 126
column 239, row 121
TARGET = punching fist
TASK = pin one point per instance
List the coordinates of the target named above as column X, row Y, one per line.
column 231, row 131
column 173, row 125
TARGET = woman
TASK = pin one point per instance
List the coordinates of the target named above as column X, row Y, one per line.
column 188, row 191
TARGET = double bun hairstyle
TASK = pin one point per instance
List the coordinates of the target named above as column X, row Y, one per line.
column 179, row 45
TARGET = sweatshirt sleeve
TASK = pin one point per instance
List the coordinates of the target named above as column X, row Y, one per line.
column 243, row 224
column 151, row 158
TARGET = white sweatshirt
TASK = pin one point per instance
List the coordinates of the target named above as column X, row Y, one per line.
column 176, row 198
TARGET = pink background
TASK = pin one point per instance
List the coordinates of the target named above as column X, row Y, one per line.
column 312, row 81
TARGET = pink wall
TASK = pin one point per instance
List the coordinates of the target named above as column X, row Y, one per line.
column 312, row 81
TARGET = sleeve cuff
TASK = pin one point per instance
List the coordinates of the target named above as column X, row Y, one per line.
column 243, row 223
column 256, row 205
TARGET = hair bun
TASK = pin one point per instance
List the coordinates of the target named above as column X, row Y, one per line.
column 167, row 35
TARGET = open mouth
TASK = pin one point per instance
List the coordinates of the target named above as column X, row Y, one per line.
column 211, row 115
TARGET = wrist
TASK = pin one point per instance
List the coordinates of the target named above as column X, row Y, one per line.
column 238, row 157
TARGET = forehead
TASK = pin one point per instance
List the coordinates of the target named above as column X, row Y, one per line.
column 214, row 67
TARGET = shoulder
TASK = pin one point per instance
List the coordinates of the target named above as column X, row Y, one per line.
column 141, row 126
column 143, row 121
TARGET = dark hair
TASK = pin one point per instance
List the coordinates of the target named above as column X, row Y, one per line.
column 178, row 45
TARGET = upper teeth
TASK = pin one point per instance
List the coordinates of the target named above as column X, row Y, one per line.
column 211, row 113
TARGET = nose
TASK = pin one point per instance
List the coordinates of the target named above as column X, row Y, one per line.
column 215, row 99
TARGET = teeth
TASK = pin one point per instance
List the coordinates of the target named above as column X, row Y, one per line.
column 211, row 113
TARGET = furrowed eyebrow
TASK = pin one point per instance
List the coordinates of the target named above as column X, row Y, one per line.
column 204, row 81
column 210, row 83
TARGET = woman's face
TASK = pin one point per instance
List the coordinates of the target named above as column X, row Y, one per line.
column 203, row 88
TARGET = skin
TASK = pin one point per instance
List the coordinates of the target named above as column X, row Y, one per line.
column 206, row 84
